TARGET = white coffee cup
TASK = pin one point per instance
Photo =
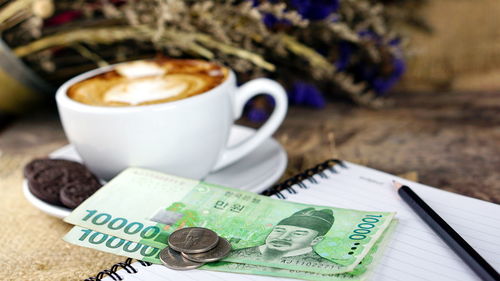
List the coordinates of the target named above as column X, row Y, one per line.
column 186, row 137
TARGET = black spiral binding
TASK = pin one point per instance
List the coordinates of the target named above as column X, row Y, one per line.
column 112, row 272
column 301, row 179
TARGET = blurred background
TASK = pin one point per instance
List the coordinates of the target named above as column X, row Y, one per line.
column 398, row 85
column 461, row 53
column 359, row 51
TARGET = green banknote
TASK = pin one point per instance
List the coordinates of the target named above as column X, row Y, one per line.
column 112, row 244
column 144, row 206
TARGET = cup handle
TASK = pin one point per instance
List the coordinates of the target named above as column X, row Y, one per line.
column 243, row 94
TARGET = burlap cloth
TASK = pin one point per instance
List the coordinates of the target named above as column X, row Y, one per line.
column 462, row 52
column 31, row 247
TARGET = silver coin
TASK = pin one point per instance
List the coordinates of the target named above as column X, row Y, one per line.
column 193, row 240
column 220, row 251
column 174, row 260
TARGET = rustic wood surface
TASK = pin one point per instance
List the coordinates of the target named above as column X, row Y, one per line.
column 451, row 141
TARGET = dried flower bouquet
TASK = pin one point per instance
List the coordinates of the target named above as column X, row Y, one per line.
column 313, row 47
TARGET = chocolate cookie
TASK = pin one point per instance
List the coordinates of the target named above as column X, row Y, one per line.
column 73, row 194
column 47, row 177
column 43, row 163
column 46, row 184
column 80, row 174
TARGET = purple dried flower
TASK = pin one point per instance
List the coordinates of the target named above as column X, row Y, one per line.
column 259, row 108
column 307, row 94
column 271, row 21
column 382, row 84
column 257, row 115
column 370, row 35
column 309, row 9
column 379, row 80
column 395, row 42
column 345, row 51
column 315, row 9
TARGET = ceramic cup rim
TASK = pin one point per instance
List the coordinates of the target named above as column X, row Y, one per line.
column 62, row 99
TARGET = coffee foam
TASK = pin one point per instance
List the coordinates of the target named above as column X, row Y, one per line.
column 149, row 89
column 148, row 82
column 139, row 69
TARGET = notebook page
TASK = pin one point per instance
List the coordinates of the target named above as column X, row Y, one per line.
column 415, row 252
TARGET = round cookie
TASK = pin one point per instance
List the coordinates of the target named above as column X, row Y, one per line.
column 47, row 183
column 43, row 163
column 46, row 177
column 73, row 194
column 80, row 174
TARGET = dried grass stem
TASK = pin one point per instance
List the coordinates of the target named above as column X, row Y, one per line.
column 108, row 35
column 105, row 35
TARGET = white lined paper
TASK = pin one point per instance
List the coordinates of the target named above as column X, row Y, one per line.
column 414, row 253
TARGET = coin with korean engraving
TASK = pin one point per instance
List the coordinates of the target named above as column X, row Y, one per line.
column 192, row 240
column 174, row 260
column 220, row 251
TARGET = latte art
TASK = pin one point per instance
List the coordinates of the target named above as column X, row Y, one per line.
column 148, row 82
column 138, row 69
column 149, row 89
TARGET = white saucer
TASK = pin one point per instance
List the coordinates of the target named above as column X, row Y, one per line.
column 255, row 172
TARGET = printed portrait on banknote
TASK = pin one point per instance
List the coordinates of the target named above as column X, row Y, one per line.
column 292, row 239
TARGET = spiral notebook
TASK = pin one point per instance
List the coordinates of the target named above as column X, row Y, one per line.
column 414, row 252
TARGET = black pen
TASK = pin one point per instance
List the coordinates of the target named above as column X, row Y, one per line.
column 482, row 268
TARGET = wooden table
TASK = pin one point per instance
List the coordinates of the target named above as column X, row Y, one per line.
column 452, row 140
